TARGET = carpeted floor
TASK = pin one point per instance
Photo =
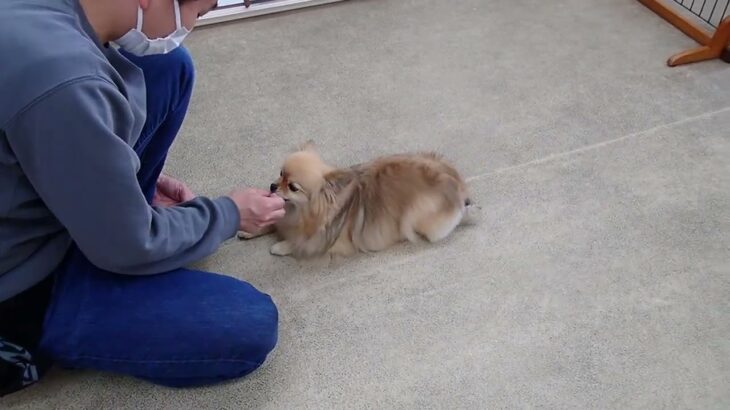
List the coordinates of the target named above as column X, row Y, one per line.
column 599, row 273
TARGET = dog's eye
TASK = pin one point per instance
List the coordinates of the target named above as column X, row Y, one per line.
column 281, row 173
column 293, row 188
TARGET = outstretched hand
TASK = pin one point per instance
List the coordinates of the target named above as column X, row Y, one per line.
column 258, row 208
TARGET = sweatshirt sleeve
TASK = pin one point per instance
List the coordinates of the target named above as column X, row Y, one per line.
column 72, row 145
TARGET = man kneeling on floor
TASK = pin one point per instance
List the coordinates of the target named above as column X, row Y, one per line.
column 92, row 237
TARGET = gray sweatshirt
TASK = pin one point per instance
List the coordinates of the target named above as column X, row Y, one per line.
column 70, row 112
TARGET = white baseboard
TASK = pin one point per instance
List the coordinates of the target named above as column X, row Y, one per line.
column 258, row 9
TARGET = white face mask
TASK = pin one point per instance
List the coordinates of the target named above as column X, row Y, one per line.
column 137, row 42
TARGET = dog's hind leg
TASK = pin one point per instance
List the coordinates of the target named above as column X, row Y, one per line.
column 439, row 226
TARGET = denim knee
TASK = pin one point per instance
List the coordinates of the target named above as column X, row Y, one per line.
column 180, row 61
column 169, row 79
column 257, row 336
column 235, row 351
column 179, row 64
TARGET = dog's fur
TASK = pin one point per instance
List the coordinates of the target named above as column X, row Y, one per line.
column 368, row 207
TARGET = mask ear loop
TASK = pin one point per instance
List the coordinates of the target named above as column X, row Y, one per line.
column 178, row 22
column 139, row 18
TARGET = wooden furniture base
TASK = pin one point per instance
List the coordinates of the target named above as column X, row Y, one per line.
column 716, row 47
column 713, row 45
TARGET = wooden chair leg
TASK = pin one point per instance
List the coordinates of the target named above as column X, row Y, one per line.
column 715, row 48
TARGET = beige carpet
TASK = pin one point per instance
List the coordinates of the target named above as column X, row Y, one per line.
column 599, row 276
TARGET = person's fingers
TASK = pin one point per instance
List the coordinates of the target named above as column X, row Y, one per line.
column 162, row 200
column 266, row 220
column 186, row 194
column 263, row 225
column 171, row 189
column 258, row 191
column 263, row 206
column 274, row 203
column 165, row 186
column 163, row 178
column 275, row 216
column 174, row 189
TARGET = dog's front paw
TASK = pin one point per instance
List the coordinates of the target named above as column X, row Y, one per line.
column 249, row 235
column 282, row 248
column 245, row 235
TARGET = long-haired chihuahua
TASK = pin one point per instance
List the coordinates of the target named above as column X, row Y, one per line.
column 367, row 207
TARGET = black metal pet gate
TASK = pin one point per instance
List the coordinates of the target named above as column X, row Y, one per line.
column 711, row 12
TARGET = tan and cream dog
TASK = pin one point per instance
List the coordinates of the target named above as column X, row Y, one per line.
column 365, row 208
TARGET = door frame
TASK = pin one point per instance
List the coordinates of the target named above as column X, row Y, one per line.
column 230, row 13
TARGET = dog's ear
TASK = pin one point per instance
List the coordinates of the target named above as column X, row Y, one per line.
column 332, row 205
column 336, row 181
column 326, row 203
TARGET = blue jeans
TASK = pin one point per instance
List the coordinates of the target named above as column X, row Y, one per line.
column 180, row 328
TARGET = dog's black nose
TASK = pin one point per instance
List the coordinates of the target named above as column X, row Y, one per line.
column 273, row 188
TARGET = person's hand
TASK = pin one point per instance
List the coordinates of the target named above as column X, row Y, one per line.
column 258, row 208
column 171, row 192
